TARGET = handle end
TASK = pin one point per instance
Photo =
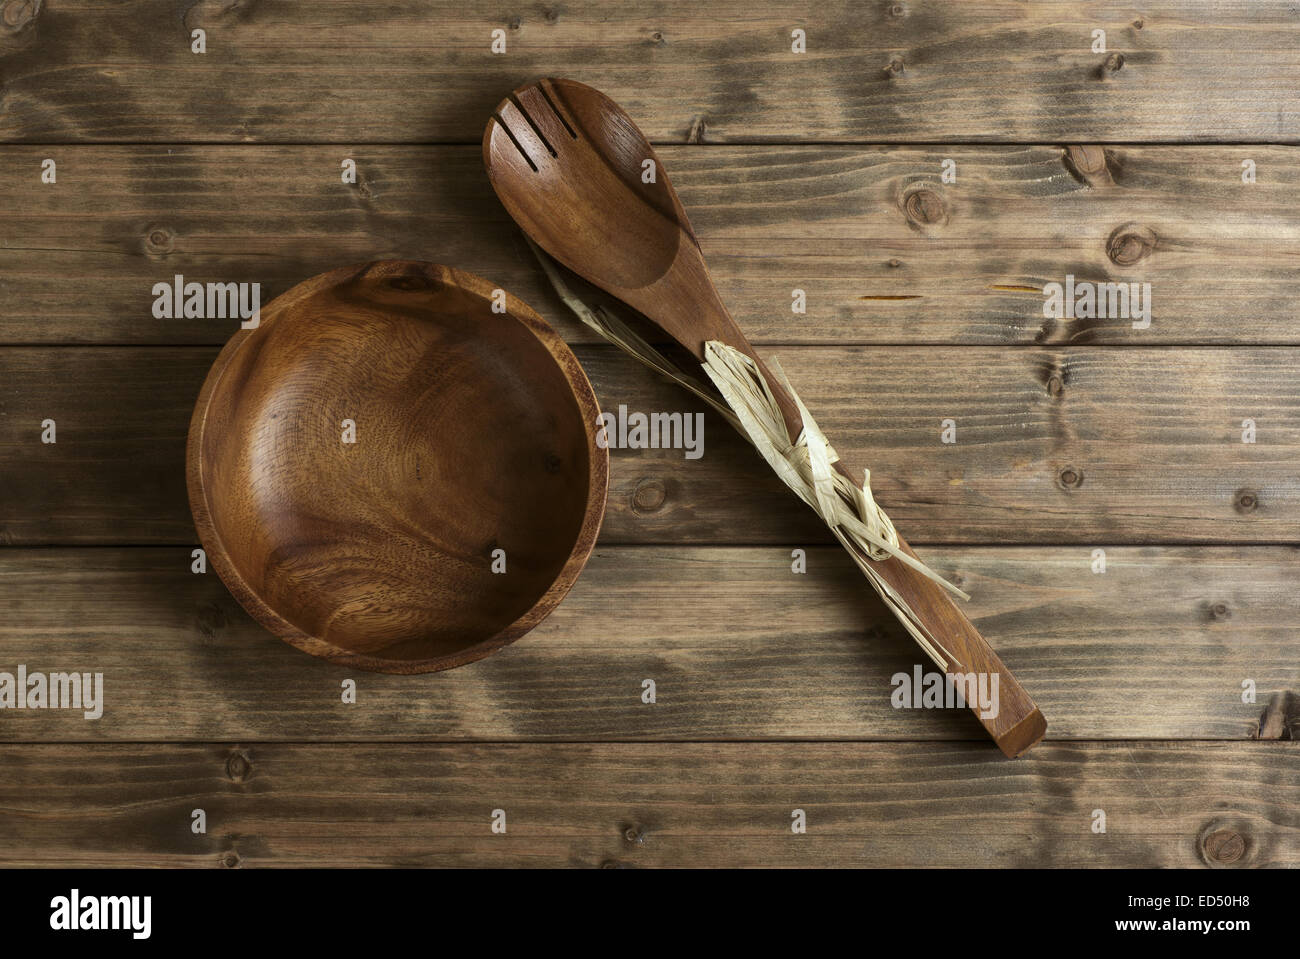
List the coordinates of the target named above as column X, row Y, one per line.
column 1022, row 735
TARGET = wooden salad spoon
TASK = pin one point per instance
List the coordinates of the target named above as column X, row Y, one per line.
column 583, row 182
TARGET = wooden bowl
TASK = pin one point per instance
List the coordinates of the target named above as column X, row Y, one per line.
column 473, row 447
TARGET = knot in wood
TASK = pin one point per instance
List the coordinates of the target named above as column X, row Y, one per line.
column 1070, row 478
column 1088, row 159
column 239, row 767
column 1129, row 244
column 211, row 618
column 649, row 496
column 924, row 205
column 1224, row 846
column 16, row 14
column 159, row 240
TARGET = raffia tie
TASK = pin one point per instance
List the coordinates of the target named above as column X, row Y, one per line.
column 849, row 510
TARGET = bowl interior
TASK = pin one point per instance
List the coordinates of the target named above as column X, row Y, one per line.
column 393, row 474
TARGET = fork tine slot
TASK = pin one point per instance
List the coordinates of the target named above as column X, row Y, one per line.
column 512, row 125
column 551, row 96
column 525, row 134
column 545, row 120
column 532, row 117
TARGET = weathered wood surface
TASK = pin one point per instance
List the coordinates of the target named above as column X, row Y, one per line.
column 226, row 168
column 636, row 804
column 409, row 71
column 884, row 251
column 1058, row 445
column 779, row 655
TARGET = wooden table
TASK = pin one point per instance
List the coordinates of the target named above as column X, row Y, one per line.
column 1169, row 680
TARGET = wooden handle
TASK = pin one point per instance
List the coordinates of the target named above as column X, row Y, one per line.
column 1018, row 723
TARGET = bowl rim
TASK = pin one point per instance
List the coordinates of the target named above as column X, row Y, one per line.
column 597, row 475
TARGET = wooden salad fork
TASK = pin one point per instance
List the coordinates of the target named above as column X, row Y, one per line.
column 582, row 181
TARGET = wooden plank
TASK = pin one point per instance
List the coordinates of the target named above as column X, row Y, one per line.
column 1081, row 445
column 626, row 804
column 738, row 645
column 844, row 224
column 76, row 70
column 116, row 471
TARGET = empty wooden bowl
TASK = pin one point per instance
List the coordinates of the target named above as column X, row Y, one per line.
column 388, row 474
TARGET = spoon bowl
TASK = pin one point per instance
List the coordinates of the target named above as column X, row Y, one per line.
column 537, row 134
